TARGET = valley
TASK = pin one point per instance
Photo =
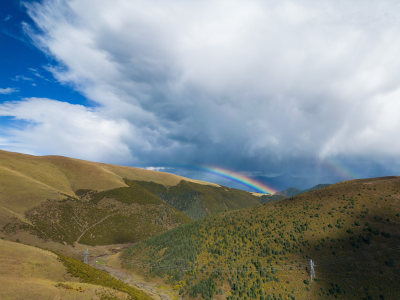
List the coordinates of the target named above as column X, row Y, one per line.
column 199, row 150
column 166, row 237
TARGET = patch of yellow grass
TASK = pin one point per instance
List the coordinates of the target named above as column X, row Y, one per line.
column 37, row 169
column 85, row 175
column 163, row 178
column 31, row 273
column 258, row 194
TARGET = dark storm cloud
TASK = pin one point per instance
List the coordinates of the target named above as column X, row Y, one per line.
column 277, row 87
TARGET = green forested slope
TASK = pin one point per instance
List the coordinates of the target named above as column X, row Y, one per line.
column 198, row 201
column 351, row 231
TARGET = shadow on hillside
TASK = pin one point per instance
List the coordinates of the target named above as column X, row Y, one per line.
column 362, row 263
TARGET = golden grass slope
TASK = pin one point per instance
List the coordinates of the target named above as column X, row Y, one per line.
column 31, row 273
column 26, row 180
column 163, row 178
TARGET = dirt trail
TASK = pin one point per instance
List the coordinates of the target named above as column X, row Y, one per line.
column 91, row 226
column 149, row 288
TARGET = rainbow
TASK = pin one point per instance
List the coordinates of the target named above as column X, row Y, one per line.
column 341, row 169
column 237, row 177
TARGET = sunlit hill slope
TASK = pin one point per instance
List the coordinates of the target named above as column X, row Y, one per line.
column 31, row 273
column 74, row 201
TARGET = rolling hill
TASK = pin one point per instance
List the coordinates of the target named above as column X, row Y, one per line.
column 351, row 231
column 74, row 201
column 205, row 240
column 31, row 273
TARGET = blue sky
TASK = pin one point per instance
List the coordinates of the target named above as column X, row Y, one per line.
column 23, row 65
column 288, row 93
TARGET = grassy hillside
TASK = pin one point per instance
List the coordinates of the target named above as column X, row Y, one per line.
column 126, row 214
column 26, row 181
column 74, row 201
column 351, row 230
column 32, row 273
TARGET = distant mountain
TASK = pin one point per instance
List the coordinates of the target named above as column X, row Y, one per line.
column 290, row 192
column 271, row 197
column 317, row 187
column 74, row 201
column 351, row 231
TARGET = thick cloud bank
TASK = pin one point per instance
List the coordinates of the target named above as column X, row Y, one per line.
column 272, row 87
column 58, row 127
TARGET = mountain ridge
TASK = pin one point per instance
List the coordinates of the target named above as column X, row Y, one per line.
column 71, row 201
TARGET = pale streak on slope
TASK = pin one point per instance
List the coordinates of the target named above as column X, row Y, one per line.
column 36, row 168
column 19, row 193
column 92, row 225
column 32, row 179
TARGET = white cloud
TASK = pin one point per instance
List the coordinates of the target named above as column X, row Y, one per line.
column 251, row 82
column 157, row 168
column 8, row 90
column 66, row 129
column 22, row 78
column 7, row 18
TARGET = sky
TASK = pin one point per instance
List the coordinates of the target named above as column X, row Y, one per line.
column 287, row 93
